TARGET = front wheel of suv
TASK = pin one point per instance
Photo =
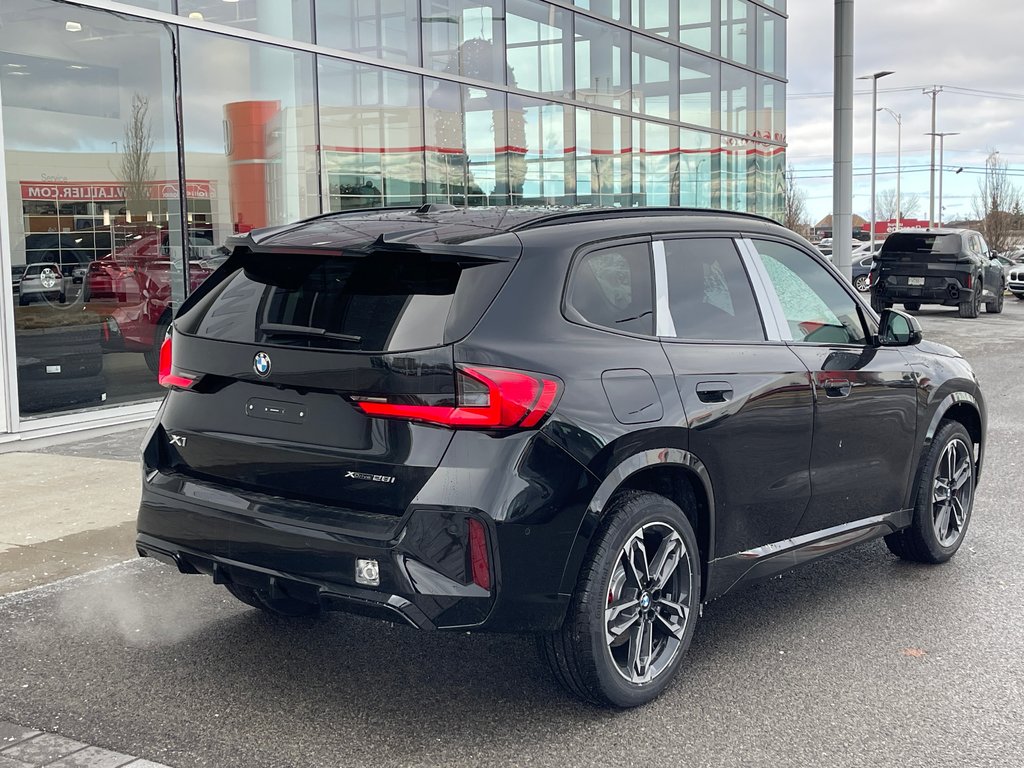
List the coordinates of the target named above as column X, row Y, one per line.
column 635, row 606
column 945, row 497
column 278, row 606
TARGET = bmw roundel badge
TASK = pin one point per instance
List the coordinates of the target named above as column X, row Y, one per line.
column 261, row 364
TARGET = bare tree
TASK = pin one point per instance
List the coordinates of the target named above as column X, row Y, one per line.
column 136, row 174
column 794, row 213
column 885, row 205
column 994, row 205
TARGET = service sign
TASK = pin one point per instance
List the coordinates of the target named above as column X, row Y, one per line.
column 100, row 191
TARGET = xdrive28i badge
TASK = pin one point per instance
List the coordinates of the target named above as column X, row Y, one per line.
column 261, row 364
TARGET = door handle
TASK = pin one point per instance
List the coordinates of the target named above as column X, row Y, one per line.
column 714, row 391
column 837, row 387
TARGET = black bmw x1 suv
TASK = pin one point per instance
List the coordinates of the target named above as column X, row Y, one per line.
column 578, row 424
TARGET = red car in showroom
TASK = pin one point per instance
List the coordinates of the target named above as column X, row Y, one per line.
column 139, row 279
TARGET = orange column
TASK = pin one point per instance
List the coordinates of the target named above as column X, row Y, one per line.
column 246, row 123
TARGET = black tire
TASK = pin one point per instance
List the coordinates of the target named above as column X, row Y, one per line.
column 995, row 306
column 972, row 307
column 277, row 606
column 878, row 304
column 921, row 541
column 153, row 353
column 579, row 653
column 86, row 292
column 912, row 306
column 1020, row 296
column 23, row 300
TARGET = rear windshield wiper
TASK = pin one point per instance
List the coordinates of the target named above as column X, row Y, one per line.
column 282, row 329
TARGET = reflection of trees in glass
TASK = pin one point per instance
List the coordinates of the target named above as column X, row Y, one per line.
column 135, row 172
column 478, row 58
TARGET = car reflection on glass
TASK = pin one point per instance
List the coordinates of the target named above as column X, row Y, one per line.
column 43, row 282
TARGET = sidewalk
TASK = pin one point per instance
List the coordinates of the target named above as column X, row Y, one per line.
column 67, row 509
column 25, row 748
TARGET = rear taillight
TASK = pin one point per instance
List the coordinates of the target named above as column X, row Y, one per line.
column 486, row 398
column 167, row 376
column 479, row 564
column 970, row 280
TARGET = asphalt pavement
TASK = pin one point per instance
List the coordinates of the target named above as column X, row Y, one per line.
column 857, row 660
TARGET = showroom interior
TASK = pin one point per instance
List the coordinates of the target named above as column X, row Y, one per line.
column 138, row 136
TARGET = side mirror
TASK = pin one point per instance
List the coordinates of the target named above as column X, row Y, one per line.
column 898, row 329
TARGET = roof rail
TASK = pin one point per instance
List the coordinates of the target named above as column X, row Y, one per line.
column 627, row 213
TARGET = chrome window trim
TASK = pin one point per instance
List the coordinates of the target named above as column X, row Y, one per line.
column 664, row 323
column 776, row 327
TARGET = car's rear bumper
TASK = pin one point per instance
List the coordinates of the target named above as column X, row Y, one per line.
column 330, row 596
column 950, row 293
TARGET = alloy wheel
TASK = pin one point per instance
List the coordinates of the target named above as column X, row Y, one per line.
column 952, row 492
column 649, row 601
column 862, row 283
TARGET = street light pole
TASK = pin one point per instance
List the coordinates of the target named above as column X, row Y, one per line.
column 942, row 142
column 874, row 77
column 899, row 148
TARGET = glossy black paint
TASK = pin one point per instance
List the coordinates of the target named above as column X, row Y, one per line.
column 779, row 452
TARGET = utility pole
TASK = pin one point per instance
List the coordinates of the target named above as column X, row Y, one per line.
column 899, row 149
column 934, row 92
column 873, row 77
column 942, row 143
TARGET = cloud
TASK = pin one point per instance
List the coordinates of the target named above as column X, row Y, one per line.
column 925, row 42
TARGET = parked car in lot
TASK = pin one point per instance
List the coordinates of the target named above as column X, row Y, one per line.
column 577, row 424
column 951, row 267
column 1015, row 281
column 861, row 273
column 42, row 282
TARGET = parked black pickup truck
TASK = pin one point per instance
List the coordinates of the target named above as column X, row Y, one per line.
column 952, row 267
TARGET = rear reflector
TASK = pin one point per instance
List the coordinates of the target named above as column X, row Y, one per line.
column 486, row 398
column 479, row 563
column 167, row 377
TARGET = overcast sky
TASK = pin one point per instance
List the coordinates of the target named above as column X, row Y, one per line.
column 975, row 45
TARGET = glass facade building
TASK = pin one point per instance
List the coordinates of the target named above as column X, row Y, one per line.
column 137, row 136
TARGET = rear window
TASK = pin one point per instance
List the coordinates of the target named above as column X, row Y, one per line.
column 378, row 303
column 612, row 288
column 924, row 242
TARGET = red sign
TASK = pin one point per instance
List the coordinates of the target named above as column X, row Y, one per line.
column 98, row 191
column 885, row 227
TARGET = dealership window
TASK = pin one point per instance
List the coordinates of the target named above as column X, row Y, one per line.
column 771, row 42
column 737, row 31
column 465, row 37
column 539, row 46
column 250, row 127
column 698, row 159
column 655, row 78
column 657, row 16
column 698, row 89
column 281, row 18
column 613, row 9
column 603, row 162
column 466, row 143
column 542, row 168
column 771, row 108
column 655, row 175
column 94, row 219
column 380, row 29
column 737, row 104
column 737, row 175
column 698, row 24
column 602, row 64
column 371, row 134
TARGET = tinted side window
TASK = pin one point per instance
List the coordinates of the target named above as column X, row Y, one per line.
column 709, row 293
column 816, row 307
column 612, row 288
